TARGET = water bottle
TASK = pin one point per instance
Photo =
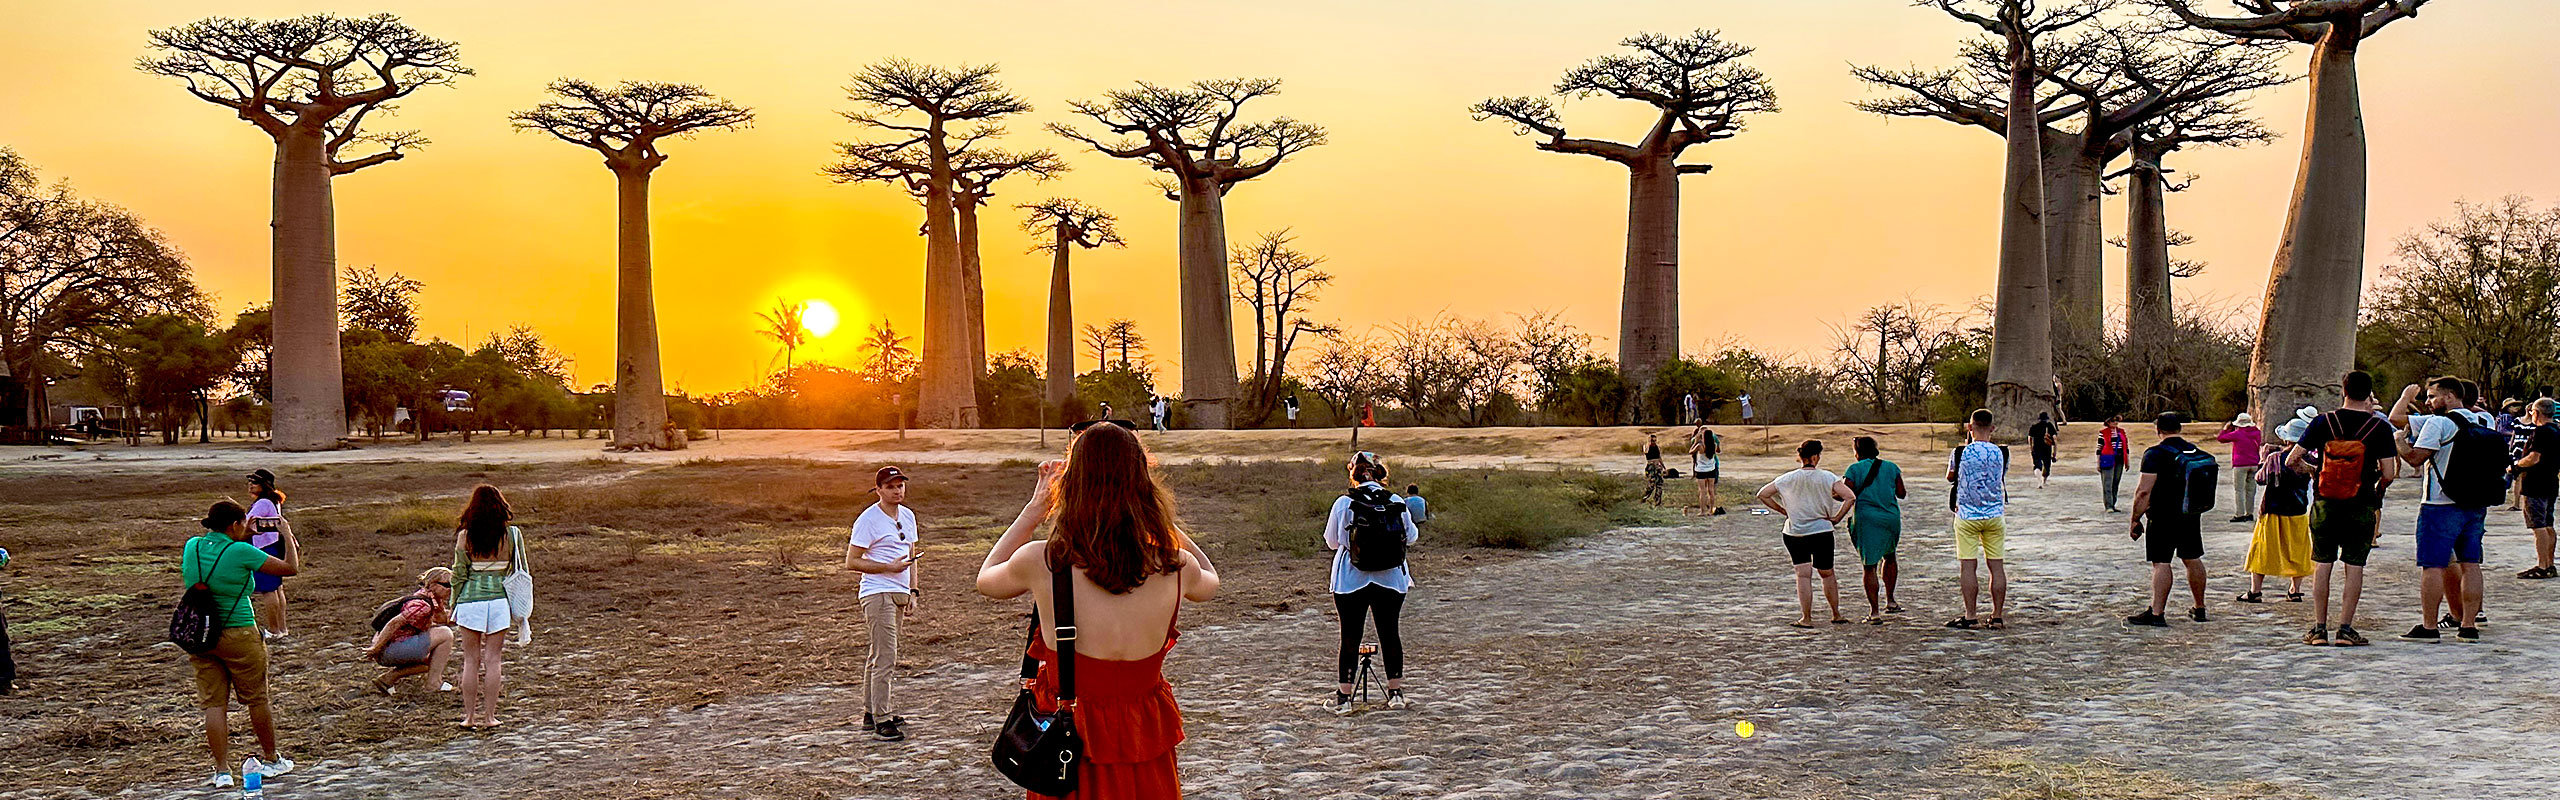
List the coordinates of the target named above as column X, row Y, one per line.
column 253, row 786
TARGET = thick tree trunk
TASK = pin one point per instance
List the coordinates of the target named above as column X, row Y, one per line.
column 2148, row 317
column 973, row 287
column 639, row 389
column 948, row 391
column 1208, row 327
column 310, row 391
column 2075, row 247
column 1061, row 357
column 1649, row 307
column 2308, row 336
column 2021, row 369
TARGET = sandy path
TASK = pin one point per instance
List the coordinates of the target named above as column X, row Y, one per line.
column 1617, row 669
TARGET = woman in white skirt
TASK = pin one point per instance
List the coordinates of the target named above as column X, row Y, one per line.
column 484, row 551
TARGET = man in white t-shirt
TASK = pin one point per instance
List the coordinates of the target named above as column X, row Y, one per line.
column 883, row 549
column 1814, row 501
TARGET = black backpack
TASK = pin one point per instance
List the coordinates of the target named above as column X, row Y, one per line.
column 195, row 625
column 2201, row 477
column 1375, row 535
column 2475, row 476
column 383, row 616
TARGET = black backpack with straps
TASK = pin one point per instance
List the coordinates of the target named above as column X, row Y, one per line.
column 195, row 625
column 1375, row 535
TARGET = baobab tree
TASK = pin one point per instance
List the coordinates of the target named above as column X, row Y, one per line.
column 1192, row 134
column 2308, row 334
column 929, row 113
column 1703, row 93
column 974, row 174
column 1277, row 282
column 2149, row 315
column 1069, row 224
column 624, row 123
column 309, row 82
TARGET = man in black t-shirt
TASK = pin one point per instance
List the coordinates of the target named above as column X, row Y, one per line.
column 2538, row 470
column 2345, row 529
column 2175, row 535
column 2040, row 441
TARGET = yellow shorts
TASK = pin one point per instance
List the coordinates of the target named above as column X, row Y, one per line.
column 1982, row 538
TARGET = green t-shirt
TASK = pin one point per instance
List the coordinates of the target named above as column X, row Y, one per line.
column 225, row 565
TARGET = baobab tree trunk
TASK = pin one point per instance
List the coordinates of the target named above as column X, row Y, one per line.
column 1649, row 310
column 2021, row 369
column 2148, row 316
column 973, row 287
column 949, row 391
column 310, row 396
column 1062, row 327
column 639, row 390
column 1208, row 329
column 2075, row 247
column 2308, row 336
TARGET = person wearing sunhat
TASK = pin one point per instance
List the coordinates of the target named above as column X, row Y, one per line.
column 2246, row 443
column 266, row 531
column 883, row 549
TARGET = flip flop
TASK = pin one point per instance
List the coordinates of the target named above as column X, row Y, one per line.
column 1799, row 625
column 1839, row 620
column 1995, row 624
column 1875, row 619
column 1963, row 624
column 2250, row 597
column 1891, row 608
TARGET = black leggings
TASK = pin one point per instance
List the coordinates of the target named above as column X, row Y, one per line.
column 1355, row 607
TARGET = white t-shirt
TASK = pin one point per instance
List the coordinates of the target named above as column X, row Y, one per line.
column 2435, row 432
column 265, row 522
column 1807, row 496
column 886, row 539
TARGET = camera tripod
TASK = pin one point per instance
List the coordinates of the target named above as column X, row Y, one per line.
column 1367, row 651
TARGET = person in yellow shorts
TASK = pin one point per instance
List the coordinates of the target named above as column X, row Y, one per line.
column 1979, row 496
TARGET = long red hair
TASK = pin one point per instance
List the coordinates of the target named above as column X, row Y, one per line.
column 1112, row 517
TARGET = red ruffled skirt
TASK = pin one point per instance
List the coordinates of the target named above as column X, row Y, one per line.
column 1130, row 724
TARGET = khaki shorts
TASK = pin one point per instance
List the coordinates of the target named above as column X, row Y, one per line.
column 1982, row 538
column 235, row 667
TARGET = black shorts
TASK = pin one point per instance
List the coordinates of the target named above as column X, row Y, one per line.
column 2341, row 530
column 1814, row 548
column 2172, row 537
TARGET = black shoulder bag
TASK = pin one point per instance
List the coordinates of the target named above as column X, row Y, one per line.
column 1040, row 751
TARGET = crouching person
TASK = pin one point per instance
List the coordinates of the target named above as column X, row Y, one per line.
column 411, row 636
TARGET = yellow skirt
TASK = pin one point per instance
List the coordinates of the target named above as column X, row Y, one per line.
column 2281, row 547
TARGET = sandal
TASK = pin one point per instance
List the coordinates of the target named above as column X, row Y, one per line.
column 1800, row 624
column 1995, row 624
column 1963, row 624
column 1892, row 608
column 2293, row 597
column 1874, row 619
column 1839, row 620
column 2250, row 597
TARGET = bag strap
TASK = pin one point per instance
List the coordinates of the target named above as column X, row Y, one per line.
column 1062, row 596
column 515, row 537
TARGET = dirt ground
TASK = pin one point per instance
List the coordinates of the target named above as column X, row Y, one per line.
column 703, row 644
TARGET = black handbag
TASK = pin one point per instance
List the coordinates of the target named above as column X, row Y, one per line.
column 1040, row 751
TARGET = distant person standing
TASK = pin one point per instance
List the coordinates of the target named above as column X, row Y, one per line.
column 1745, row 400
column 1876, row 525
column 1106, row 410
column 221, row 559
column 2517, row 425
column 1289, row 405
column 2041, row 438
column 2538, row 477
column 1413, row 502
column 1813, row 501
column 8, row 663
column 2113, row 448
column 1689, row 409
column 486, row 549
column 1160, row 413
column 1369, row 414
column 1653, row 470
column 266, row 530
column 2176, row 476
column 2353, row 455
column 883, row 549
column 2246, row 441
column 1980, row 497
column 1706, row 465
column 2281, row 544
column 1369, row 532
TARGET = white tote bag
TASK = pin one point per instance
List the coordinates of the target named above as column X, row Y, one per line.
column 519, row 585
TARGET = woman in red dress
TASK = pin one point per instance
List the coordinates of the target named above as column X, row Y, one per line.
column 1131, row 570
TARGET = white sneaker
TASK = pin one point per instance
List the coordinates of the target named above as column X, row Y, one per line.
column 445, row 688
column 1395, row 700
column 279, row 768
column 221, row 780
column 1340, row 706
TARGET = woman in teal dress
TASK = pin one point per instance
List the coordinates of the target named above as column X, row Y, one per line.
column 1876, row 526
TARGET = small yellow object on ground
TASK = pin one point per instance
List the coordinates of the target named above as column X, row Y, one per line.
column 1744, row 729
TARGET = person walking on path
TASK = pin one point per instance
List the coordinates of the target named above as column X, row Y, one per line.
column 486, row 548
column 2246, row 441
column 1813, row 501
column 415, row 639
column 1707, row 466
column 1368, row 532
column 2537, row 478
column 2171, row 473
column 1128, row 571
column 1875, row 527
column 2352, row 454
column 266, row 530
column 2114, row 447
column 2454, row 514
column 222, row 560
column 2280, row 546
column 1653, row 470
column 1980, row 497
column 2041, row 438
column 883, row 549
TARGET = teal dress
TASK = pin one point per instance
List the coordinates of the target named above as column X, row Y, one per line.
column 1876, row 525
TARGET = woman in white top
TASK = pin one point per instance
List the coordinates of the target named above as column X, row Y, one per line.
column 1359, row 594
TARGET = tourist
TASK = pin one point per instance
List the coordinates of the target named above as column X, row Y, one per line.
column 2040, row 441
column 2280, row 546
column 1368, row 531
column 1413, row 502
column 2113, row 449
column 883, row 548
column 1115, row 538
column 2454, row 514
column 1289, row 405
column 8, row 662
column 1876, row 525
column 223, row 560
column 1161, row 413
column 2516, row 423
column 1653, row 470
column 413, row 640
column 2538, row 479
column 266, row 530
column 2352, row 455
column 485, row 549
column 1689, row 409
column 1106, row 410
column 1979, row 472
column 1813, row 501
column 1706, row 464
column 2246, row 441
column 2169, row 471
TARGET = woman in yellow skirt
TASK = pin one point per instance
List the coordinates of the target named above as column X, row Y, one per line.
column 2282, row 544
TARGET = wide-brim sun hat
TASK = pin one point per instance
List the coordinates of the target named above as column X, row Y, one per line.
column 2244, row 420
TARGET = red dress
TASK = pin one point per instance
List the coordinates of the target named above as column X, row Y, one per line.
column 1125, row 711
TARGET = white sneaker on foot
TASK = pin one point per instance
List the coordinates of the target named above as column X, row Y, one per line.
column 445, row 688
column 220, row 780
column 279, row 768
column 1395, row 700
column 1340, row 705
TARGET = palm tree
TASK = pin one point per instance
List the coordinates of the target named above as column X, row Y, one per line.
column 890, row 359
column 784, row 327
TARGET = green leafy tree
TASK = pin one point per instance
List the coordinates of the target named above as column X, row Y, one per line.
column 165, row 363
column 382, row 302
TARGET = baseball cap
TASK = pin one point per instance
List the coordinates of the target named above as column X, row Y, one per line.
column 887, row 474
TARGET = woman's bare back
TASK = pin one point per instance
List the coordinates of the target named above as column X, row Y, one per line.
column 1124, row 627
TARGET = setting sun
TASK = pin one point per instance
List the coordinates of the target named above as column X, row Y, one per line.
column 819, row 318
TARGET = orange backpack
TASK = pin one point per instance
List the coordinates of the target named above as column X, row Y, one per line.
column 2342, row 462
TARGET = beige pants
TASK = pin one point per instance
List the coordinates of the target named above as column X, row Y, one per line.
column 880, row 614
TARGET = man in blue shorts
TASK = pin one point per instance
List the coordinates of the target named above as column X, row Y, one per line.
column 2451, row 518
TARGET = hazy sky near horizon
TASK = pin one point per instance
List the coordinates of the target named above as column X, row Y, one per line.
column 1810, row 215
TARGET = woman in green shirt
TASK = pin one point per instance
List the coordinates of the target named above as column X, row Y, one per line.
column 485, row 548
column 1876, row 526
column 223, row 560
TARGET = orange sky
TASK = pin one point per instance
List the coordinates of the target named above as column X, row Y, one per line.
column 1815, row 212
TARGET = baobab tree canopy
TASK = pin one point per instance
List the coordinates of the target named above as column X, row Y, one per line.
column 1704, row 93
column 1064, row 224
